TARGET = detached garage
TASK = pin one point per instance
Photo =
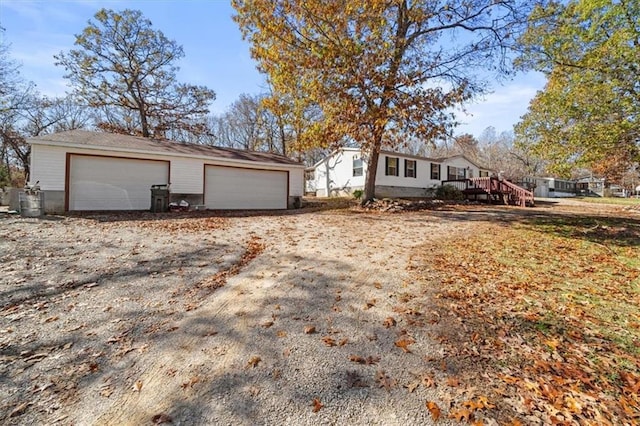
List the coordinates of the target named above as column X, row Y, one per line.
column 232, row 188
column 91, row 171
column 111, row 183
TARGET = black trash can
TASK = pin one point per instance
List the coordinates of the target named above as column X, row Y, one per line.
column 160, row 198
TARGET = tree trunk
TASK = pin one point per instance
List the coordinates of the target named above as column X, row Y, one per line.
column 372, row 168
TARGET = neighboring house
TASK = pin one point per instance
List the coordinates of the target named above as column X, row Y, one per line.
column 398, row 175
column 590, row 186
column 549, row 187
column 80, row 170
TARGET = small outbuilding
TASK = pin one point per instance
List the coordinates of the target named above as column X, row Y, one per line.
column 92, row 171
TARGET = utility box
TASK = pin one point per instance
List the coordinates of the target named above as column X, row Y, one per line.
column 160, row 198
column 31, row 201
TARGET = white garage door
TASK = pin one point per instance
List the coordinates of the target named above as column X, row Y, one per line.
column 104, row 183
column 232, row 188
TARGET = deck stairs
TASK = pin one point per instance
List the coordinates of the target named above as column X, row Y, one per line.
column 494, row 190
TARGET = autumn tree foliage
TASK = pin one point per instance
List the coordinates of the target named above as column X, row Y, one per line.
column 588, row 114
column 128, row 69
column 379, row 71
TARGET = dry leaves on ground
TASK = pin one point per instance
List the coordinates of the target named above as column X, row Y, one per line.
column 549, row 309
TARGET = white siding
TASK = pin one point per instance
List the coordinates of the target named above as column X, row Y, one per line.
column 422, row 179
column 296, row 182
column 339, row 170
column 459, row 162
column 187, row 175
column 48, row 167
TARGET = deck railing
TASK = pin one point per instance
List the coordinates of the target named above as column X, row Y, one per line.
column 494, row 186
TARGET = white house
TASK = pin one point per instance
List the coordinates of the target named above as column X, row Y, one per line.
column 398, row 175
column 80, row 170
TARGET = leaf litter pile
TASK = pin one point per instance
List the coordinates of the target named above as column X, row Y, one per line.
column 543, row 316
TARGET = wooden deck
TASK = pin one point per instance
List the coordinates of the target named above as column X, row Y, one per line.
column 493, row 190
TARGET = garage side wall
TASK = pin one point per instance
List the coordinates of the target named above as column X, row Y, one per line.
column 186, row 180
column 48, row 169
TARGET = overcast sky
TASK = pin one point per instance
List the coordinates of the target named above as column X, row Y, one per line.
column 215, row 54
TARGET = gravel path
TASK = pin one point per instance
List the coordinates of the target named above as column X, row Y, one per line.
column 305, row 318
column 104, row 319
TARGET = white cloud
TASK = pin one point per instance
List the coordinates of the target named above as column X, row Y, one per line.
column 502, row 108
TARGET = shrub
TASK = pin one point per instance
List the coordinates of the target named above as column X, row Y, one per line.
column 358, row 193
column 449, row 192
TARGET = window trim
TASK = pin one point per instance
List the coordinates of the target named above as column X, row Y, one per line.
column 354, row 168
column 386, row 166
column 438, row 170
column 407, row 168
column 451, row 176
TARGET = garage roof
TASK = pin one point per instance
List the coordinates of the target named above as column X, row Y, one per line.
column 126, row 143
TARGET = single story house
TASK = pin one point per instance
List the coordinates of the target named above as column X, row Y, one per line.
column 398, row 175
column 92, row 171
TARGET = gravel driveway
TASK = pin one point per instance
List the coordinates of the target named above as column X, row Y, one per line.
column 296, row 318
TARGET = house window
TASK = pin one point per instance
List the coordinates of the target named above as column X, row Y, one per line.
column 357, row 167
column 391, row 166
column 484, row 173
column 409, row 168
column 455, row 173
column 310, row 174
column 435, row 171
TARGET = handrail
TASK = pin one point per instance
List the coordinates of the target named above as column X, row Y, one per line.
column 493, row 185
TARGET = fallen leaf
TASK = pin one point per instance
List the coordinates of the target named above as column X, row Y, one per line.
column 358, row 359
column 310, row 329
column 161, row 418
column 281, row 333
column 329, row 341
column 384, row 381
column 411, row 387
column 137, row 386
column 370, row 304
column 389, row 322
column 434, row 410
column 267, row 324
column 453, row 382
column 317, row 405
column 484, row 402
column 190, row 383
column 254, row 361
column 428, row 381
column 460, row 414
column 404, row 344
column 343, row 342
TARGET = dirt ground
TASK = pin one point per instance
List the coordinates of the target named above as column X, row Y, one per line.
column 303, row 317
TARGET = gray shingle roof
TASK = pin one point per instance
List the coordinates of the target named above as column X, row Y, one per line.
column 126, row 142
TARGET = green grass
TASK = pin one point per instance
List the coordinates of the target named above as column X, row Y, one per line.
column 611, row 200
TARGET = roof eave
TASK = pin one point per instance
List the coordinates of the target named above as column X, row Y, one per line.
column 41, row 141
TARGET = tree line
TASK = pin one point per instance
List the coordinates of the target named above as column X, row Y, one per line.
column 369, row 73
